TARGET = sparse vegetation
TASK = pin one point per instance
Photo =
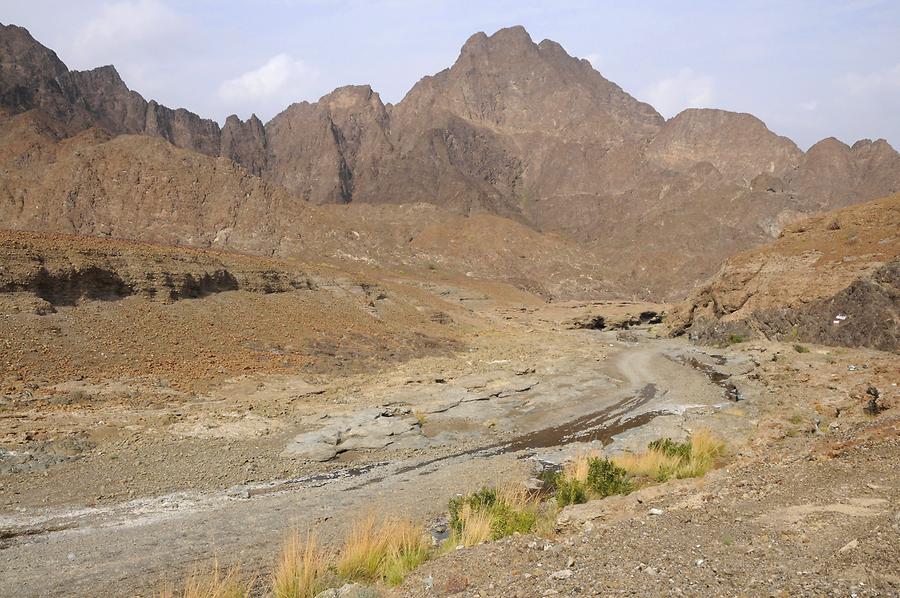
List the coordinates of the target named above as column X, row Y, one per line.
column 801, row 349
column 384, row 551
column 734, row 339
column 217, row 583
column 490, row 514
column 570, row 491
column 666, row 459
column 589, row 476
column 301, row 568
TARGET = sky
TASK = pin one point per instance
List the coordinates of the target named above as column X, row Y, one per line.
column 809, row 68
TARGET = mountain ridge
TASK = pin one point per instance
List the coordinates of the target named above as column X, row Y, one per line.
column 514, row 128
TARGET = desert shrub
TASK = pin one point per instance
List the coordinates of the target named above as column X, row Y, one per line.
column 666, row 459
column 734, row 339
column 480, row 500
column 385, row 550
column 570, row 491
column 801, row 349
column 605, row 478
column 491, row 514
column 671, row 448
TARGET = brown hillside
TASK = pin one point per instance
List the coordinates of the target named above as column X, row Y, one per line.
column 832, row 279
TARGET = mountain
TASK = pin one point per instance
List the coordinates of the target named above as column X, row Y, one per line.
column 141, row 187
column 513, row 128
column 833, row 279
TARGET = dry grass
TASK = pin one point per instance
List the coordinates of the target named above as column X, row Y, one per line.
column 705, row 448
column 217, row 583
column 492, row 513
column 300, row 568
column 384, row 551
column 579, row 466
column 476, row 526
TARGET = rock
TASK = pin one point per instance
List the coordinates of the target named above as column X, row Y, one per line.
column 655, row 511
column 350, row 590
column 562, row 574
column 848, row 546
column 534, row 484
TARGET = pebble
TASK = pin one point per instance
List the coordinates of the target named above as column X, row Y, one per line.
column 562, row 574
column 656, row 511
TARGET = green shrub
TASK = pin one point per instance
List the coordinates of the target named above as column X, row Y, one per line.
column 506, row 521
column 491, row 514
column 570, row 491
column 669, row 447
column 734, row 339
column 605, row 478
column 801, row 349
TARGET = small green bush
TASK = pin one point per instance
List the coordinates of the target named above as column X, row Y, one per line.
column 801, row 349
column 669, row 447
column 570, row 491
column 506, row 521
column 734, row 339
column 605, row 478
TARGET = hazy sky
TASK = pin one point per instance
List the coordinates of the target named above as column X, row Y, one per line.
column 809, row 69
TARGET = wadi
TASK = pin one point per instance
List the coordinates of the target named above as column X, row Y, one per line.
column 516, row 334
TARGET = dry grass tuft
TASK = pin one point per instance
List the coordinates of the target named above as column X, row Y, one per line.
column 579, row 466
column 491, row 514
column 476, row 526
column 384, row 551
column 217, row 583
column 300, row 568
column 661, row 464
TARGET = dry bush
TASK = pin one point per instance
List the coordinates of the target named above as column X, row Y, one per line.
column 665, row 459
column 217, row 583
column 300, row 569
column 384, row 551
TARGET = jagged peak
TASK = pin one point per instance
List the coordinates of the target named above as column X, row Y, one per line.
column 515, row 38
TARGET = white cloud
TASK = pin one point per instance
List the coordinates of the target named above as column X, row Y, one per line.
column 685, row 89
column 128, row 25
column 280, row 81
column 874, row 83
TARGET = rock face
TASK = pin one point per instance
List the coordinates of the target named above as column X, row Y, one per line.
column 31, row 76
column 104, row 269
column 833, row 279
column 515, row 128
column 325, row 151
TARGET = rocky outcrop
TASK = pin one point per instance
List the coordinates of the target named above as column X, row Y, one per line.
column 326, row 151
column 739, row 146
column 63, row 271
column 244, row 142
column 833, row 279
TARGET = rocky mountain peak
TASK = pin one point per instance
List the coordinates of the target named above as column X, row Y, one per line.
column 739, row 145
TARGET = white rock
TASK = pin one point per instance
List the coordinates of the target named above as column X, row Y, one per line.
column 656, row 511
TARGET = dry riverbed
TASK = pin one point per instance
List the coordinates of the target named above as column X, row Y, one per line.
column 131, row 492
